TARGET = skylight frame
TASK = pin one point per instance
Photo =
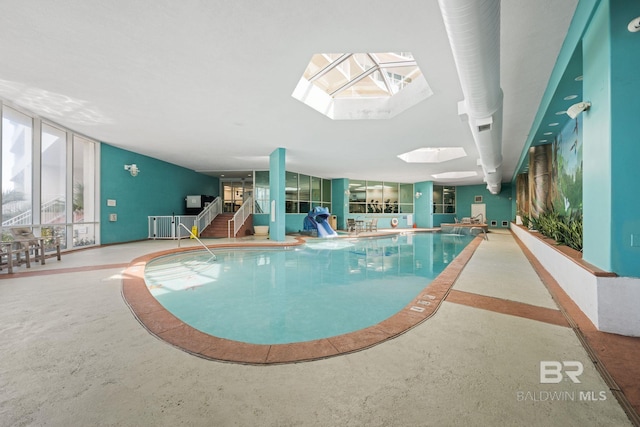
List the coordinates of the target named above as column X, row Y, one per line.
column 378, row 66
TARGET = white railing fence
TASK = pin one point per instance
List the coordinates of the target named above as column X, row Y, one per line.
column 240, row 217
column 208, row 214
column 180, row 226
column 169, row 226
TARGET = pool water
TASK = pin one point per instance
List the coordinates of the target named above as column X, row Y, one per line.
column 321, row 289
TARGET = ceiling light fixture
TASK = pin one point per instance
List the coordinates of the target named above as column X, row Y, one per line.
column 578, row 108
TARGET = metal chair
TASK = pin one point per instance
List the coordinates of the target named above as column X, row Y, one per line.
column 372, row 225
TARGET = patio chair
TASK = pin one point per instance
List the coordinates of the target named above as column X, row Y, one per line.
column 372, row 225
column 7, row 252
column 25, row 238
column 351, row 225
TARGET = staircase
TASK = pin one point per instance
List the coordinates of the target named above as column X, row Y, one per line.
column 219, row 227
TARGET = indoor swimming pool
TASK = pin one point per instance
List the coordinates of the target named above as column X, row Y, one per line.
column 324, row 288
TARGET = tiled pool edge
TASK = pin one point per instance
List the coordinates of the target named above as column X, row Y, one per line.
column 163, row 325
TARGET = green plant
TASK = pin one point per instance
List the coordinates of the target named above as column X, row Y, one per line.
column 564, row 229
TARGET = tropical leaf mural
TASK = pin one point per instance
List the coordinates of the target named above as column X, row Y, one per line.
column 567, row 170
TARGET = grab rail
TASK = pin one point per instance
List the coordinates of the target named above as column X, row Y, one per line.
column 209, row 213
column 481, row 229
column 240, row 217
column 199, row 241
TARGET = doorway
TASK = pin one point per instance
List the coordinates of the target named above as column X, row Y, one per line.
column 234, row 193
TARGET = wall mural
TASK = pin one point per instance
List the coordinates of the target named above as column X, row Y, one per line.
column 554, row 179
column 566, row 186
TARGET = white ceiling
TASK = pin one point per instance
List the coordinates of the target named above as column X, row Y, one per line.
column 207, row 84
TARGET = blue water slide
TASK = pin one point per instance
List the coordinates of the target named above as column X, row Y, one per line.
column 325, row 230
column 317, row 220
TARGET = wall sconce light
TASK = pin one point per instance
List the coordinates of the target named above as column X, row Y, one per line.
column 634, row 25
column 347, row 192
column 133, row 169
column 575, row 110
column 418, row 194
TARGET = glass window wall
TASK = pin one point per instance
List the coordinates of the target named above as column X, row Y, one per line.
column 49, row 180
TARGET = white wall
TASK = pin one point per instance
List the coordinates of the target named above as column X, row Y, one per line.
column 609, row 302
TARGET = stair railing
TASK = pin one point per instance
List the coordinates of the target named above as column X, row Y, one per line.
column 240, row 217
column 209, row 213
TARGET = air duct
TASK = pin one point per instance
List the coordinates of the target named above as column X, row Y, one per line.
column 473, row 27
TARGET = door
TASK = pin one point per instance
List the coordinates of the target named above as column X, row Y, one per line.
column 479, row 212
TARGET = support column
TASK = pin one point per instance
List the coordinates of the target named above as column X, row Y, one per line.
column 277, row 183
column 423, row 206
column 340, row 201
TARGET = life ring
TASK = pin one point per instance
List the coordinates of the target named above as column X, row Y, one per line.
column 394, row 222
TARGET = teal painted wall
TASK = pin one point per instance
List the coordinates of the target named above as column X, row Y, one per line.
column 159, row 189
column 499, row 207
column 596, row 195
column 277, row 183
column 439, row 219
column 611, row 128
column 625, row 140
column 260, row 219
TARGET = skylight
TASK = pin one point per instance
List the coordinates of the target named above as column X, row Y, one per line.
column 360, row 75
column 433, row 154
column 455, row 175
column 362, row 85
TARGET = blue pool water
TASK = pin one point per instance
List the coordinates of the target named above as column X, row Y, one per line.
column 318, row 290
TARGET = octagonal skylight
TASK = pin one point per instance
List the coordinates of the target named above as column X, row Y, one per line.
column 433, row 154
column 362, row 85
column 455, row 175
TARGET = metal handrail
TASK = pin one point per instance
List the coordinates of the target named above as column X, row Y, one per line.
column 209, row 213
column 481, row 229
column 199, row 241
column 240, row 217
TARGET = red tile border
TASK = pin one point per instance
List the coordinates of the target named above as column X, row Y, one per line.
column 614, row 356
column 512, row 308
column 162, row 324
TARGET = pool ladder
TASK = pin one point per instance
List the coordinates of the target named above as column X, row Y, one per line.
column 482, row 230
column 199, row 241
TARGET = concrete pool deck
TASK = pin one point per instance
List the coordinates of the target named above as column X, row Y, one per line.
column 72, row 353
